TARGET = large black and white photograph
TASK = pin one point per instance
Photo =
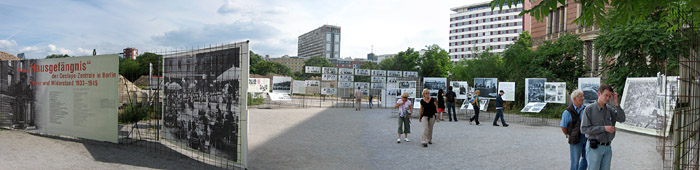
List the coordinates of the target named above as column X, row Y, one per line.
column 393, row 92
column 376, row 79
column 312, row 70
column 589, row 86
column 281, row 84
column 488, row 87
column 362, row 85
column 434, row 84
column 534, row 107
column 313, row 86
column 346, row 71
column 639, row 103
column 534, row 90
column 298, row 87
column 329, row 77
column 391, row 73
column 330, row 70
column 407, row 84
column 460, row 88
column 411, row 92
column 255, row 85
column 362, row 72
column 508, row 90
column 555, row 92
column 18, row 96
column 328, row 91
column 381, row 73
column 205, row 115
column 345, row 84
column 391, row 80
column 377, row 86
column 413, row 74
column 660, row 81
column 346, row 78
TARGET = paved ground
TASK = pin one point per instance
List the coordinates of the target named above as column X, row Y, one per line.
column 341, row 138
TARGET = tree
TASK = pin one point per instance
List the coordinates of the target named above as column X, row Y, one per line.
column 639, row 49
column 254, row 60
column 369, row 65
column 57, row 56
column 130, row 69
column 317, row 62
column 563, row 60
column 485, row 65
column 387, row 64
column 149, row 58
column 435, row 62
column 403, row 61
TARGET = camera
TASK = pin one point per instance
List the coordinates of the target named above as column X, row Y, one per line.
column 594, row 143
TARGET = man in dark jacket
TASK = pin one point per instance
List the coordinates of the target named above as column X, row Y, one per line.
column 570, row 125
column 451, row 99
column 499, row 108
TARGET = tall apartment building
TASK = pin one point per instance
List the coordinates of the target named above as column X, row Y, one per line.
column 476, row 28
column 131, row 53
column 294, row 63
column 560, row 22
column 323, row 41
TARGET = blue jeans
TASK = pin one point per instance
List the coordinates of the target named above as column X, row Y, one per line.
column 578, row 155
column 598, row 158
column 499, row 114
column 451, row 110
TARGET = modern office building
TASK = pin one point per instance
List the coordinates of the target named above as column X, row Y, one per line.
column 293, row 62
column 561, row 21
column 323, row 41
column 476, row 28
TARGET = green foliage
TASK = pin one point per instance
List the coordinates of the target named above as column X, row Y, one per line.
column 435, row 62
column 369, row 65
column 562, row 60
column 318, row 62
column 130, row 69
column 639, row 49
column 133, row 112
column 254, row 60
column 484, row 65
column 262, row 67
column 148, row 58
column 403, row 61
column 254, row 100
column 57, row 56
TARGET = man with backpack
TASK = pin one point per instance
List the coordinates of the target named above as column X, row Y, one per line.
column 571, row 125
column 451, row 99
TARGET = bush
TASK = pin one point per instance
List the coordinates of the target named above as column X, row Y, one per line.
column 133, row 112
column 255, row 100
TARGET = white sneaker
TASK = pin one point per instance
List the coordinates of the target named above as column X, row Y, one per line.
column 398, row 140
column 406, row 139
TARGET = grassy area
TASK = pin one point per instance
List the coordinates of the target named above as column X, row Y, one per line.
column 255, row 100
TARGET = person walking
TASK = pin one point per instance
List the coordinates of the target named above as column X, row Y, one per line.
column 405, row 110
column 441, row 103
column 370, row 100
column 451, row 98
column 499, row 109
column 358, row 99
column 476, row 103
column 598, row 123
column 428, row 108
column 571, row 126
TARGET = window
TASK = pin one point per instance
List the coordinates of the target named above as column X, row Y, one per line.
column 556, row 22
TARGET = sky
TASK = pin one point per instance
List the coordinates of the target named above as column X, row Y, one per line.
column 42, row 28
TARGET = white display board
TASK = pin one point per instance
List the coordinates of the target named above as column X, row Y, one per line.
column 639, row 101
column 329, row 77
column 345, row 84
column 434, row 84
column 298, row 87
column 279, row 96
column 381, row 73
column 362, row 85
column 330, row 70
column 313, row 70
column 534, row 107
column 391, row 73
column 281, row 84
column 346, row 71
column 346, row 78
column 555, row 92
column 377, row 85
column 410, row 74
column 255, row 85
column 488, row 87
column 376, row 79
column 508, row 90
column 407, row 85
column 328, row 91
column 362, row 72
column 460, row 88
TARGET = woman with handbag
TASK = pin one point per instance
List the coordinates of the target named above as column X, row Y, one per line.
column 476, row 103
column 404, row 105
column 428, row 108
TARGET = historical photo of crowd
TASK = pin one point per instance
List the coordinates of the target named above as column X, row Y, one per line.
column 488, row 87
column 535, row 89
column 434, row 84
column 589, row 86
column 17, row 96
column 639, row 103
column 201, row 101
column 407, row 84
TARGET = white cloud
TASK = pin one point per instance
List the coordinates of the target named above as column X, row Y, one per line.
column 29, row 49
column 7, row 43
column 57, row 50
column 52, row 47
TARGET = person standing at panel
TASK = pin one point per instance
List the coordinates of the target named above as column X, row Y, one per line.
column 405, row 110
column 499, row 109
column 476, row 103
column 570, row 125
column 598, row 123
column 451, row 98
column 358, row 99
column 441, row 103
column 428, row 108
